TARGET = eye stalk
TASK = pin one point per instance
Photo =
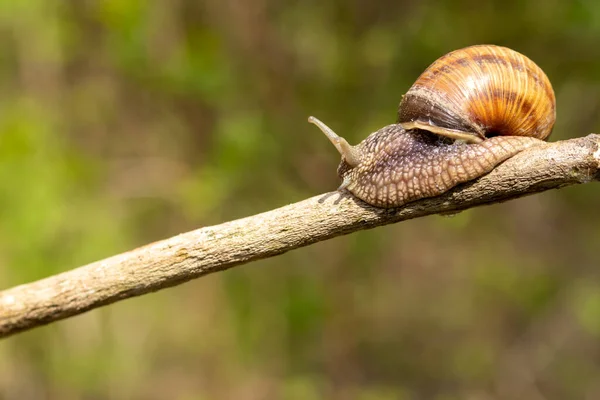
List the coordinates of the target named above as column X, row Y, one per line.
column 348, row 152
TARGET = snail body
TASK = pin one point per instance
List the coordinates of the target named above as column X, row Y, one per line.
column 468, row 111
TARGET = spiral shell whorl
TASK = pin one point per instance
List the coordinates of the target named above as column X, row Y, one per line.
column 486, row 90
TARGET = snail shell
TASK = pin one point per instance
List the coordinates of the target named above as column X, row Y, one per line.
column 469, row 111
column 479, row 92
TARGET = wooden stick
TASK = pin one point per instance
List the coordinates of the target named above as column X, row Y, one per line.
column 190, row 255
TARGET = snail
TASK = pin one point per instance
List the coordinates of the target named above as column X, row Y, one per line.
column 470, row 110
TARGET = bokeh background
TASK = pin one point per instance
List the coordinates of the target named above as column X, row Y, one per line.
column 127, row 121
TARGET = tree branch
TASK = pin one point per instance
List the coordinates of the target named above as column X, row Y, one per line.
column 190, row 255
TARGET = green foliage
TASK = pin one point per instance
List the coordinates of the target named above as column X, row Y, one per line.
column 124, row 122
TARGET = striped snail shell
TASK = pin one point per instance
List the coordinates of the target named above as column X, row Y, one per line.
column 479, row 92
column 469, row 111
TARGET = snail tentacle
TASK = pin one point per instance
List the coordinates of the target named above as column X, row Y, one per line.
column 348, row 152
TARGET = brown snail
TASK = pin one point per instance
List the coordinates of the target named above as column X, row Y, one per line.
column 470, row 110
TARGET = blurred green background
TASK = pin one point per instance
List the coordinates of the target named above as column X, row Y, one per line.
column 126, row 121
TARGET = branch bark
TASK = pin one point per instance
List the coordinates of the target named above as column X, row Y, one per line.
column 193, row 254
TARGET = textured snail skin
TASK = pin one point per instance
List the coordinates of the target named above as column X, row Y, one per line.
column 400, row 166
column 483, row 91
